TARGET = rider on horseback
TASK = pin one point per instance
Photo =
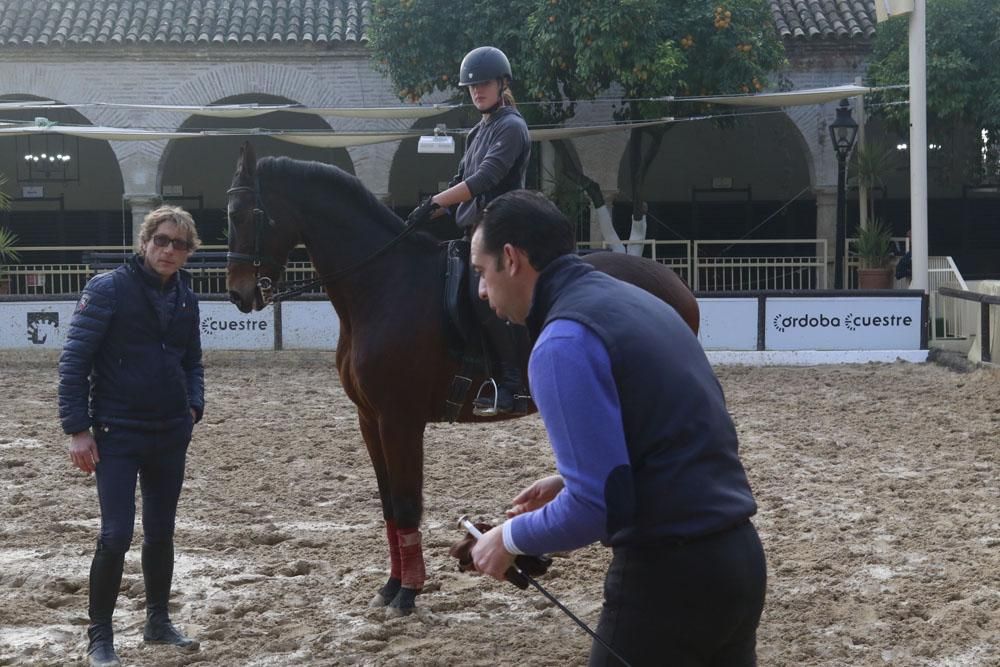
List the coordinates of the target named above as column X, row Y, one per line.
column 495, row 162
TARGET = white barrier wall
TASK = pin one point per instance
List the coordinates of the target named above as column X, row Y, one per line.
column 728, row 324
column 791, row 323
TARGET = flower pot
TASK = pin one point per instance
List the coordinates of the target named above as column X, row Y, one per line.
column 875, row 278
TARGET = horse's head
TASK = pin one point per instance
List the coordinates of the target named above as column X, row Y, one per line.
column 258, row 245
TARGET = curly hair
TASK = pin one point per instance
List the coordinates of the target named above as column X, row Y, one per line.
column 174, row 214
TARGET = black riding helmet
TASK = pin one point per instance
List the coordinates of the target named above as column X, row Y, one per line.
column 484, row 64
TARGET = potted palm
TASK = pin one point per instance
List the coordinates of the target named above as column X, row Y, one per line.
column 8, row 239
column 874, row 251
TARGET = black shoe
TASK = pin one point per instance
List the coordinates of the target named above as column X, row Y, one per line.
column 101, row 649
column 157, row 573
column 162, row 631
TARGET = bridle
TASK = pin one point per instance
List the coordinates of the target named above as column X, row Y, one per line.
column 291, row 288
column 260, row 220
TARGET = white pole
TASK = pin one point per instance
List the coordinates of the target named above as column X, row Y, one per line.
column 862, row 190
column 918, row 144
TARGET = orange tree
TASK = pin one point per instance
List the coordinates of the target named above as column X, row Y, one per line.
column 564, row 51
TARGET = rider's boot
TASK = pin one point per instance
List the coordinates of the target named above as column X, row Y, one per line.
column 158, row 573
column 510, row 396
column 105, row 580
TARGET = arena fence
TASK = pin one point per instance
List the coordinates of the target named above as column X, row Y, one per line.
column 729, row 265
column 987, row 334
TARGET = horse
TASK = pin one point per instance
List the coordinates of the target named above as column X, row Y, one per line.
column 387, row 288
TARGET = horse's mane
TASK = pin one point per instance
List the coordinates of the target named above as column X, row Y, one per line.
column 303, row 179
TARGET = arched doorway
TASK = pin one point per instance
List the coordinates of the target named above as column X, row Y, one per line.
column 712, row 182
column 196, row 173
column 70, row 197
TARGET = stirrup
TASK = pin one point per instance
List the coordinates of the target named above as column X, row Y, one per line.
column 486, row 406
column 482, row 406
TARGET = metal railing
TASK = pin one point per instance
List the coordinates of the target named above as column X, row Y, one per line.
column 714, row 273
column 69, row 279
column 950, row 319
column 675, row 254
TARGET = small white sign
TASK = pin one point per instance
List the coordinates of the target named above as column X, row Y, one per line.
column 173, row 190
column 32, row 191
column 722, row 182
column 35, row 325
column 223, row 327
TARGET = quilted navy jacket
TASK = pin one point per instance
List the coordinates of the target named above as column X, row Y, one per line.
column 123, row 363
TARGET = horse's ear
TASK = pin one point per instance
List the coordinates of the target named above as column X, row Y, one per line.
column 247, row 164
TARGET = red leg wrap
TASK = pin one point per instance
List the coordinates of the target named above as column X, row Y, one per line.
column 412, row 557
column 395, row 560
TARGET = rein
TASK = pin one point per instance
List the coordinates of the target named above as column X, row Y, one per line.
column 295, row 287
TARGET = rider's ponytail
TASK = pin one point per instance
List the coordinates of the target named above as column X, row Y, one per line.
column 508, row 98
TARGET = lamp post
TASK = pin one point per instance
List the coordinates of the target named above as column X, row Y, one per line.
column 843, row 131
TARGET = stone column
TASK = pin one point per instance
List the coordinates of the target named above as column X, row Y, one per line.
column 826, row 227
column 141, row 205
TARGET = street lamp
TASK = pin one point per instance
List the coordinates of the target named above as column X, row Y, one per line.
column 843, row 131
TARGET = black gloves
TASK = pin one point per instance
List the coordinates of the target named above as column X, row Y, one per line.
column 422, row 213
column 533, row 566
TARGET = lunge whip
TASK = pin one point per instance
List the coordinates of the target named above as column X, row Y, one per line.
column 514, row 572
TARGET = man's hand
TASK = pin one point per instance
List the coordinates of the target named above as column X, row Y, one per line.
column 490, row 556
column 83, row 451
column 537, row 495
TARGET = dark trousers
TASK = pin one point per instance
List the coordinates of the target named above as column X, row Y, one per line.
column 690, row 605
column 156, row 459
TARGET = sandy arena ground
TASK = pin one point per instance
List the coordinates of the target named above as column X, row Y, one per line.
column 877, row 484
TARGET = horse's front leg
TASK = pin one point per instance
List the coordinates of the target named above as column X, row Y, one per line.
column 373, row 442
column 403, row 451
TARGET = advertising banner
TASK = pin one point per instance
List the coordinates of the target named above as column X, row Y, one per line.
column 842, row 323
column 40, row 325
column 223, row 327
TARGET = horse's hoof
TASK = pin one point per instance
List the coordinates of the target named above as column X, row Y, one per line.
column 403, row 604
column 387, row 593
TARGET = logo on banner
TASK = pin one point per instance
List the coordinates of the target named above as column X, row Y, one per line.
column 851, row 322
column 41, row 326
column 210, row 325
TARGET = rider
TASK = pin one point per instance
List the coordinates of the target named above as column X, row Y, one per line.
column 495, row 161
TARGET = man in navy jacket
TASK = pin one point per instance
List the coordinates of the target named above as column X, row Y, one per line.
column 131, row 387
column 645, row 448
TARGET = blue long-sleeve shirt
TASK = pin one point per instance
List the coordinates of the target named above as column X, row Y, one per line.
column 571, row 380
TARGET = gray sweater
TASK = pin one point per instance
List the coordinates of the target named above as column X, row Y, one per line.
column 495, row 161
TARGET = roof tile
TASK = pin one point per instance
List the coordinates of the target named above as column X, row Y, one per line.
column 820, row 19
column 52, row 23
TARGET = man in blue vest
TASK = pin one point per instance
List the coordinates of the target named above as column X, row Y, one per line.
column 644, row 446
column 131, row 388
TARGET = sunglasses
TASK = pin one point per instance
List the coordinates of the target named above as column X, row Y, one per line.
column 162, row 241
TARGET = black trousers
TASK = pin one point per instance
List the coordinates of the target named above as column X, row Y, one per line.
column 689, row 605
column 154, row 458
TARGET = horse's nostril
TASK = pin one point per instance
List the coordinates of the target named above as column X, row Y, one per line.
column 234, row 297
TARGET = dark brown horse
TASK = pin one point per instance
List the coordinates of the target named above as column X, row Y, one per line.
column 388, row 292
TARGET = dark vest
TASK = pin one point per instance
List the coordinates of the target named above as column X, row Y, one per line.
column 687, row 476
